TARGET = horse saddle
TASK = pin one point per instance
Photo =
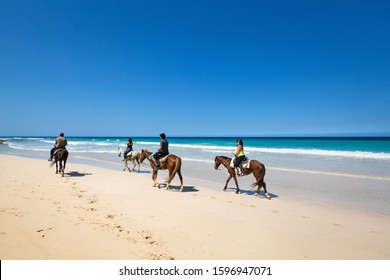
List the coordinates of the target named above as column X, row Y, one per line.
column 244, row 164
column 59, row 149
column 164, row 158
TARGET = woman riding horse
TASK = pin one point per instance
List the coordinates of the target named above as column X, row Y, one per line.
column 133, row 156
column 255, row 167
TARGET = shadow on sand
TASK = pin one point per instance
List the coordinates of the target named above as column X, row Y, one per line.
column 177, row 188
column 252, row 192
column 77, row 174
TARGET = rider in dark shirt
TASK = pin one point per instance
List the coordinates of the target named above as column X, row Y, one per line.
column 129, row 148
column 161, row 152
column 61, row 142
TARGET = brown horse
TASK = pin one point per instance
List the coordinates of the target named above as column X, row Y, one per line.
column 255, row 167
column 172, row 163
column 60, row 156
column 133, row 156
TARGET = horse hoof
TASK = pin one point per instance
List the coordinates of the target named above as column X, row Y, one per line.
column 256, row 194
column 267, row 196
column 238, row 192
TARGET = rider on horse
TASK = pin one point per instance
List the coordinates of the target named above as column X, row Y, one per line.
column 61, row 142
column 161, row 152
column 129, row 148
column 239, row 156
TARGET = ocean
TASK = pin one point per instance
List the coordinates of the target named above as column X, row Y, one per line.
column 341, row 171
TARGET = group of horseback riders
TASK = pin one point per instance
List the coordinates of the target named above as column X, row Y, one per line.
column 237, row 166
column 162, row 151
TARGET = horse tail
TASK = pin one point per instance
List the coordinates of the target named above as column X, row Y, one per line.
column 63, row 156
column 54, row 162
column 177, row 168
column 260, row 181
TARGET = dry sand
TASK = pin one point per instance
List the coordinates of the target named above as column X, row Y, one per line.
column 96, row 213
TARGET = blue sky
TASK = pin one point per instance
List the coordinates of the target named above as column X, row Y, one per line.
column 194, row 68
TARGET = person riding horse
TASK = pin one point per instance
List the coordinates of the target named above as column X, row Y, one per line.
column 129, row 148
column 60, row 143
column 239, row 157
column 161, row 152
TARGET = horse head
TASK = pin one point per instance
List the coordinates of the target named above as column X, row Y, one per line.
column 217, row 163
column 119, row 152
column 144, row 154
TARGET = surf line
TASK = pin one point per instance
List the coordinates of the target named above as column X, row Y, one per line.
column 330, row 173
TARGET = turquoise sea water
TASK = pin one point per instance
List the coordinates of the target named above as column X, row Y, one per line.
column 366, row 147
column 347, row 172
column 204, row 149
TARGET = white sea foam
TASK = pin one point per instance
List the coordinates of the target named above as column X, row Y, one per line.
column 290, row 151
column 382, row 178
column 41, row 144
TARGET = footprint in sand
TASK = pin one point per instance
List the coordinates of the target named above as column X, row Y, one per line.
column 160, row 257
column 44, row 230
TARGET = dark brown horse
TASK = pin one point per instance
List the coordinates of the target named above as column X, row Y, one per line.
column 255, row 167
column 60, row 157
column 172, row 163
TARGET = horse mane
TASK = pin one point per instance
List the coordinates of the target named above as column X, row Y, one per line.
column 222, row 157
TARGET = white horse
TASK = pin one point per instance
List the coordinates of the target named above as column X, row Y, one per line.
column 132, row 156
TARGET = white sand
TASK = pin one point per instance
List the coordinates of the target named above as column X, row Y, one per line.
column 96, row 213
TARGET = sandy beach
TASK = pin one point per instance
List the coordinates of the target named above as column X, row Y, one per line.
column 97, row 213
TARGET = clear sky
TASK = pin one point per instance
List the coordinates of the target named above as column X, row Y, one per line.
column 194, row 68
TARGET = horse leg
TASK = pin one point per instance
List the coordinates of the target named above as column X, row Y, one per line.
column 124, row 164
column 265, row 190
column 138, row 165
column 133, row 164
column 154, row 178
column 235, row 180
column 227, row 181
column 181, row 181
column 63, row 169
column 168, row 182
column 56, row 167
column 60, row 169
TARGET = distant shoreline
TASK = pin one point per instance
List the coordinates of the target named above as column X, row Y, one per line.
column 349, row 137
